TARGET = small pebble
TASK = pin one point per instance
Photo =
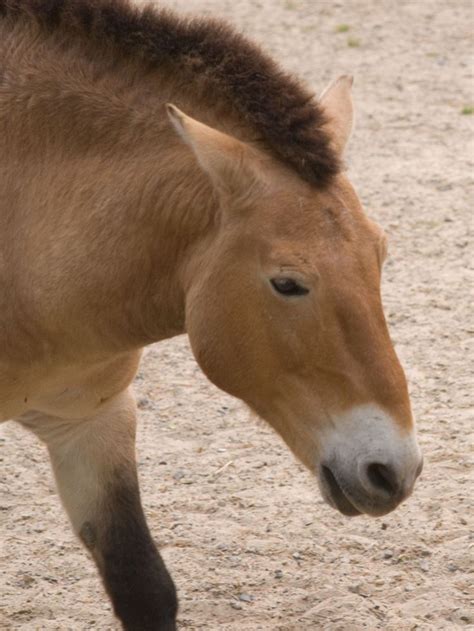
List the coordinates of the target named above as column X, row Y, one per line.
column 358, row 589
column 388, row 554
column 278, row 574
column 235, row 605
column 234, row 559
column 246, row 598
column 296, row 555
column 178, row 475
column 143, row 403
column 424, row 567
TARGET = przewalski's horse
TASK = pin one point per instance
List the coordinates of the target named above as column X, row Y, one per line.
column 122, row 224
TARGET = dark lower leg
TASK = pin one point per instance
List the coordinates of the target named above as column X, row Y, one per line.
column 142, row 592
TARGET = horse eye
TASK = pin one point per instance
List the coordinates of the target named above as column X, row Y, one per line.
column 288, row 287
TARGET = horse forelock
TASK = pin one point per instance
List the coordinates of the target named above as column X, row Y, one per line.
column 283, row 113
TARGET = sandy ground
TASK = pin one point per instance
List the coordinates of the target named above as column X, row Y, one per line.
column 235, row 515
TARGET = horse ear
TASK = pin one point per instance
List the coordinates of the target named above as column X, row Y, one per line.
column 225, row 159
column 336, row 101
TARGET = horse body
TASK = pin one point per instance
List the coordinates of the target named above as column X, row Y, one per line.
column 121, row 225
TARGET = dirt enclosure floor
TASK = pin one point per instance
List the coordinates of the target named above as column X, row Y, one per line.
column 241, row 525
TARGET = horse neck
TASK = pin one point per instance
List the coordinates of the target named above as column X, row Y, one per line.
column 112, row 203
column 108, row 265
column 105, row 240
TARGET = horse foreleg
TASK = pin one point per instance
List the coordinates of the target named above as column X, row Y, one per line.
column 94, row 464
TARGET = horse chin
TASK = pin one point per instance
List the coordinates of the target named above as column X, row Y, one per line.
column 334, row 495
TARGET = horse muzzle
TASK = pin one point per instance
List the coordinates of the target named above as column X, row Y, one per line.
column 377, row 490
column 368, row 464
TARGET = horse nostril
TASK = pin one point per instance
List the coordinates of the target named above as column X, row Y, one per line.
column 382, row 478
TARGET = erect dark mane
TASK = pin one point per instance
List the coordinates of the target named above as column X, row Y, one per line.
column 276, row 105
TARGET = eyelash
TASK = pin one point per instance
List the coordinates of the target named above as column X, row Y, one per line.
column 288, row 287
